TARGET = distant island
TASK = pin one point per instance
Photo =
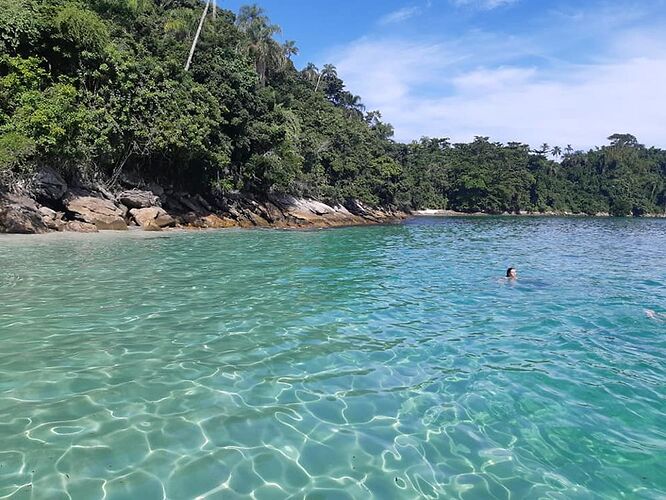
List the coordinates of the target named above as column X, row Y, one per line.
column 159, row 113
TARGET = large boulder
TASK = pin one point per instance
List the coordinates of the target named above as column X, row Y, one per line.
column 102, row 213
column 135, row 198
column 52, row 219
column 302, row 209
column 20, row 214
column 48, row 185
column 147, row 218
column 307, row 211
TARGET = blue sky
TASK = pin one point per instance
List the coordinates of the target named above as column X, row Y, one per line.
column 562, row 72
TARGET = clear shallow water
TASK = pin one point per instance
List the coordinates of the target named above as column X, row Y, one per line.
column 378, row 362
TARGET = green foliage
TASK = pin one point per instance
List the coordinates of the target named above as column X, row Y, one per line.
column 17, row 76
column 19, row 24
column 15, row 151
column 52, row 119
column 81, row 28
column 97, row 87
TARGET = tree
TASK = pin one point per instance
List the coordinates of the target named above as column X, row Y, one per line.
column 329, row 72
column 19, row 26
column 259, row 45
column 96, row 88
column 310, row 72
column 196, row 36
column 623, row 141
column 353, row 105
column 289, row 49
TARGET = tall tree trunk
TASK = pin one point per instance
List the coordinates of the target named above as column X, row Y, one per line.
column 196, row 37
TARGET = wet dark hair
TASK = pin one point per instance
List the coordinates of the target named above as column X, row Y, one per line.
column 508, row 272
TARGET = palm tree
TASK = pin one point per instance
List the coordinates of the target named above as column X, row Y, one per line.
column 196, row 36
column 556, row 151
column 251, row 17
column 310, row 72
column 353, row 104
column 289, row 49
column 266, row 53
column 328, row 72
column 568, row 150
column 544, row 148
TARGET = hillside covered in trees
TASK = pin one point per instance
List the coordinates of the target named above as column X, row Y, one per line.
column 99, row 89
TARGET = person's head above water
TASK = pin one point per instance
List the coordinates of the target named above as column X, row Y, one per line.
column 511, row 273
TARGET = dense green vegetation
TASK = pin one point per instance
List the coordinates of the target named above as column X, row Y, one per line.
column 622, row 178
column 97, row 88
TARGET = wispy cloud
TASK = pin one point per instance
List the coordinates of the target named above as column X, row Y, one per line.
column 489, row 84
column 484, row 4
column 400, row 15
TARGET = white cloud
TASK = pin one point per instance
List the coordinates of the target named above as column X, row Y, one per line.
column 484, row 4
column 485, row 81
column 400, row 15
column 479, row 85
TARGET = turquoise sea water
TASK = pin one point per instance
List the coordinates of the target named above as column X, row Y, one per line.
column 377, row 362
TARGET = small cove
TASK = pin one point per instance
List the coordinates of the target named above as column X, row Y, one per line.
column 367, row 362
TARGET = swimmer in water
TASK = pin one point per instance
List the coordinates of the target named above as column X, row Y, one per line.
column 511, row 274
column 655, row 315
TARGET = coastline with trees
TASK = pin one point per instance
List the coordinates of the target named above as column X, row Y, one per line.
column 205, row 110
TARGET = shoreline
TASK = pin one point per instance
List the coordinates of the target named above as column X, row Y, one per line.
column 53, row 205
column 139, row 234
column 453, row 213
column 57, row 207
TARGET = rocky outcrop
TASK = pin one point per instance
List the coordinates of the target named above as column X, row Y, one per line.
column 210, row 221
column 136, row 198
column 90, row 209
column 103, row 213
column 20, row 214
column 302, row 209
column 49, row 186
column 53, row 220
column 153, row 218
column 305, row 212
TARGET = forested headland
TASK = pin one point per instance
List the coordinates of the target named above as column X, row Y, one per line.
column 99, row 89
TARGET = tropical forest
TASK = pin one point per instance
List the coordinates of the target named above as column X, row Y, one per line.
column 188, row 94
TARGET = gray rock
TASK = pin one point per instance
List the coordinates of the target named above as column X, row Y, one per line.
column 172, row 204
column 102, row 213
column 191, row 203
column 49, row 185
column 20, row 214
column 356, row 207
column 100, row 188
column 153, row 216
column 202, row 201
column 47, row 213
column 156, row 188
column 52, row 219
column 135, row 198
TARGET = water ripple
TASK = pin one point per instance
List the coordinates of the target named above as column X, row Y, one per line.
column 378, row 362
